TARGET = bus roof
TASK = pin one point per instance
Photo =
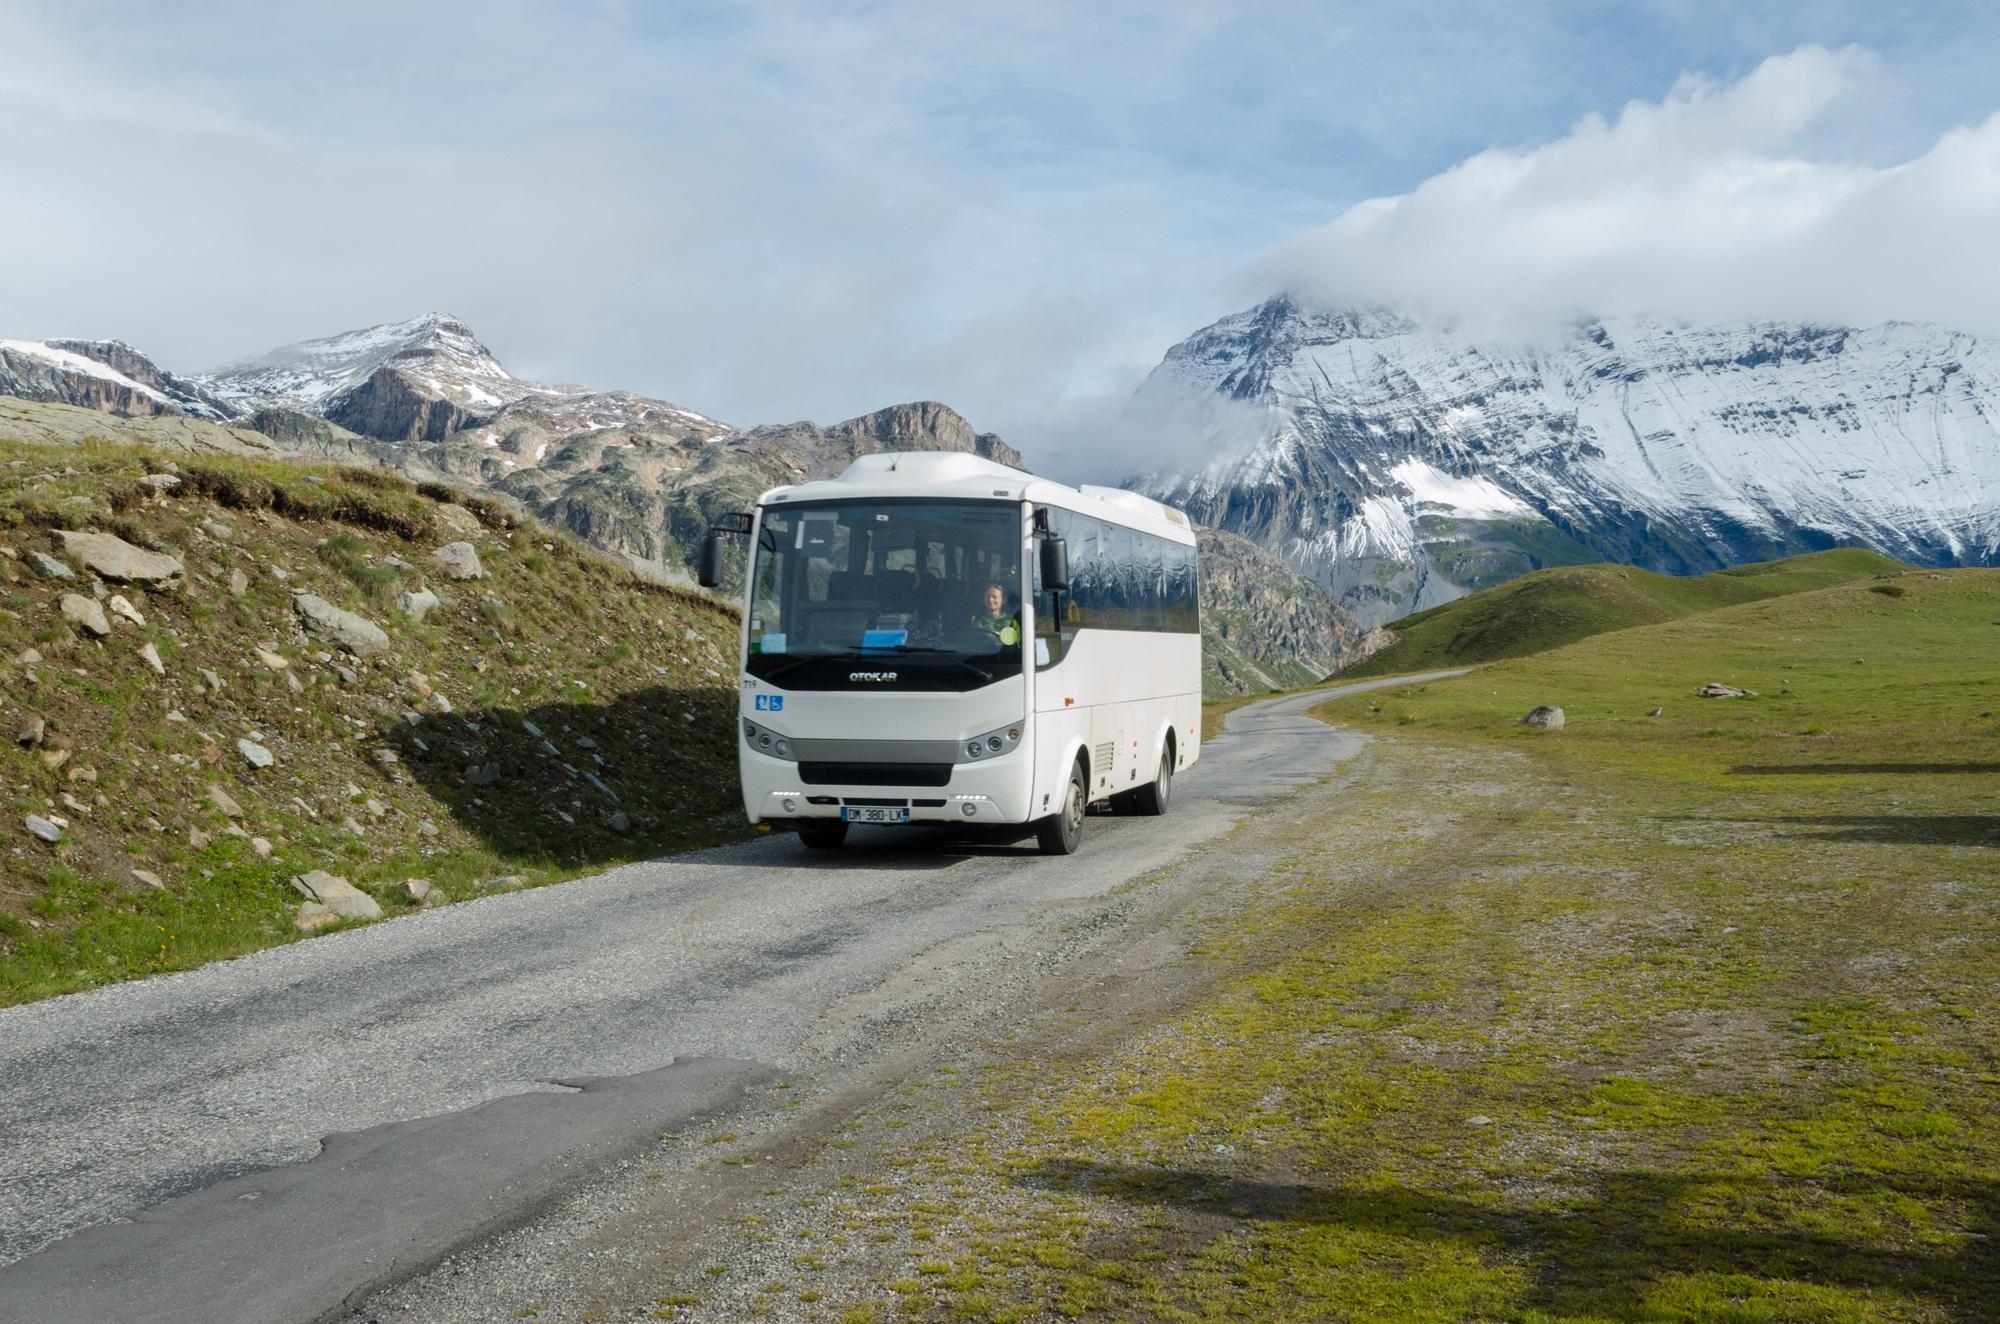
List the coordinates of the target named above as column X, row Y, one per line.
column 950, row 475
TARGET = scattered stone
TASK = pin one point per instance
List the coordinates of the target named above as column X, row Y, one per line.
column 504, row 883
column 119, row 561
column 274, row 661
column 121, row 607
column 356, row 634
column 460, row 560
column 150, row 879
column 416, row 889
column 160, row 483
column 293, row 683
column 1655, row 712
column 604, row 790
column 458, row 519
column 482, row 774
column 531, row 728
column 197, row 839
column 48, row 567
column 337, row 895
column 262, row 846
column 1479, row 1119
column 386, row 758
column 151, row 657
column 239, row 583
column 1715, row 691
column 218, row 530
column 418, row 604
column 29, row 657
column 348, row 675
column 29, row 734
column 279, row 573
column 313, row 916
column 1545, row 717
column 74, row 805
column 43, row 828
column 375, row 807
column 154, row 824
column 255, row 754
column 426, row 828
column 585, row 742
column 213, row 681
column 619, row 821
column 440, row 704
column 82, row 774
column 225, row 802
column 85, row 612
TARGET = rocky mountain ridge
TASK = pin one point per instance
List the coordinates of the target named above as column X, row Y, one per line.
column 1401, row 466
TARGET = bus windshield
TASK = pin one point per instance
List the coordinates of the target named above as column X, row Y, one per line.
column 931, row 587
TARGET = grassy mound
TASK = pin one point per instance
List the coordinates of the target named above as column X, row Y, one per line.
column 555, row 716
column 1551, row 608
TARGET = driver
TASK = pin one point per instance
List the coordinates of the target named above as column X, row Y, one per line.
column 995, row 619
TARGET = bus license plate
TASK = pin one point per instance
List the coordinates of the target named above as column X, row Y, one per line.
column 874, row 814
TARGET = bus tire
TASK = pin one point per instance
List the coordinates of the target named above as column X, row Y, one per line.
column 823, row 833
column 1061, row 832
column 1152, row 799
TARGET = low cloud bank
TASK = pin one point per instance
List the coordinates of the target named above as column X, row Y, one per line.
column 1702, row 206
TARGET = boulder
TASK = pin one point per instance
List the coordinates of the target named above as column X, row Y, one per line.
column 224, row 802
column 504, row 883
column 1655, row 712
column 43, row 828
column 220, row 530
column 458, row 519
column 255, row 754
column 120, row 606
column 313, row 916
column 160, row 483
column 85, row 613
column 1545, row 717
column 418, row 604
column 355, row 634
column 48, row 567
column 1715, row 691
column 29, row 733
column 149, row 878
column 239, row 583
column 416, row 889
column 459, row 560
column 151, row 657
column 339, row 896
column 119, row 561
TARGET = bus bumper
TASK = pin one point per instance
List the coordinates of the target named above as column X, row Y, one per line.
column 986, row 792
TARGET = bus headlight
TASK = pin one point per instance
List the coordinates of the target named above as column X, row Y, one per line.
column 766, row 741
column 990, row 743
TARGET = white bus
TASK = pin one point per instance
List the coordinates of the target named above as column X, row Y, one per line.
column 894, row 671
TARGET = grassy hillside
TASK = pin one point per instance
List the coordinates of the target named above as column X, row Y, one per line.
column 553, row 716
column 1551, row 608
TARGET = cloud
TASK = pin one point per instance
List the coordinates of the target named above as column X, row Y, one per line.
column 1700, row 205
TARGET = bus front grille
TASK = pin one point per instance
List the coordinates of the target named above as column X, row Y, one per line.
column 875, row 774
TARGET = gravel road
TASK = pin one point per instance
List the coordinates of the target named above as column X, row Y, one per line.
column 159, row 1114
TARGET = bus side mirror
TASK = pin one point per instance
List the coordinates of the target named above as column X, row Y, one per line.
column 710, row 574
column 1055, row 565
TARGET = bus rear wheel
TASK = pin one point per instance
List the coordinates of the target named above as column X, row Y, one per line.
column 823, row 833
column 1151, row 799
column 1062, row 831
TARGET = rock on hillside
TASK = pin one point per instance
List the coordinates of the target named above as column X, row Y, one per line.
column 1264, row 625
column 70, row 425
column 283, row 705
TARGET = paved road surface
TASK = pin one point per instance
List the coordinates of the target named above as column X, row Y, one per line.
column 171, row 1117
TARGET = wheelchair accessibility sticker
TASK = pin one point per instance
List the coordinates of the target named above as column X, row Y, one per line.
column 770, row 703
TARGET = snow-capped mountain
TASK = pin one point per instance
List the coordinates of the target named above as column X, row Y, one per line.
column 100, row 374
column 1401, row 466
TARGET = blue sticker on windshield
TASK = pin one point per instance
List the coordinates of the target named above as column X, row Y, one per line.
column 883, row 639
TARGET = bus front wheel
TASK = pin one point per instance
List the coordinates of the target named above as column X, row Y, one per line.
column 823, row 833
column 1061, row 831
column 1152, row 798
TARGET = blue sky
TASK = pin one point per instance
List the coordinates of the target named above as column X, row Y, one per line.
column 769, row 212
